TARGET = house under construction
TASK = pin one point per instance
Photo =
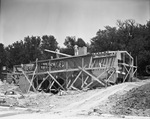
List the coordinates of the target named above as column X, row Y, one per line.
column 83, row 71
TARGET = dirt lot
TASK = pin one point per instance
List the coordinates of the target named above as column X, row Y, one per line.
column 119, row 101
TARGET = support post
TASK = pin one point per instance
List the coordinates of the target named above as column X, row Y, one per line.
column 84, row 81
column 102, row 73
column 28, row 81
column 110, row 76
column 51, row 85
column 13, row 78
column 42, row 82
column 55, row 80
column 89, row 84
column 68, row 84
column 127, row 74
column 101, row 82
column 75, row 79
column 33, row 75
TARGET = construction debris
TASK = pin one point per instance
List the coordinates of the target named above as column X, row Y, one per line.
column 121, row 99
column 9, row 94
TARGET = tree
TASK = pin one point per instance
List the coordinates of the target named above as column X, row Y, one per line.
column 126, row 31
column 129, row 36
column 2, row 57
column 15, row 54
column 80, row 42
column 70, row 42
column 105, row 40
column 50, row 43
column 32, row 48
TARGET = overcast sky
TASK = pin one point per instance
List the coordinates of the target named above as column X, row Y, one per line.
column 61, row 18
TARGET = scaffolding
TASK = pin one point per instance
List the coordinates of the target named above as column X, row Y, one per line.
column 75, row 72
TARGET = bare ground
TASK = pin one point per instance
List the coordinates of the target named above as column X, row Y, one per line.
column 85, row 104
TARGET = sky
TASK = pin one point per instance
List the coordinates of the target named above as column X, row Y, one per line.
column 62, row 18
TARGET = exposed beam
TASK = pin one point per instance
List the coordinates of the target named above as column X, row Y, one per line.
column 98, row 80
column 65, row 70
column 55, row 80
column 57, row 53
column 84, row 81
column 75, row 79
column 28, row 81
column 33, row 75
column 42, row 82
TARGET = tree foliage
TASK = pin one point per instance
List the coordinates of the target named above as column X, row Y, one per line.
column 129, row 36
column 30, row 49
column 2, row 57
column 50, row 43
column 80, row 42
column 70, row 42
column 15, row 54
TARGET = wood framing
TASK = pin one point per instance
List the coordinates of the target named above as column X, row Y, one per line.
column 77, row 72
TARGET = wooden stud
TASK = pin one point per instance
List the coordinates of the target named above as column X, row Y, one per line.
column 55, row 80
column 13, row 77
column 33, row 76
column 42, row 82
column 84, row 81
column 110, row 76
column 98, row 80
column 28, row 81
column 49, row 64
column 68, row 84
column 127, row 74
column 75, row 79
column 74, row 88
column 59, row 71
column 90, row 64
column 88, row 85
column 51, row 85
column 102, row 73
column 134, row 71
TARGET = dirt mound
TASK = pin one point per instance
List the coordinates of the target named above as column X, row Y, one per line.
column 134, row 102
